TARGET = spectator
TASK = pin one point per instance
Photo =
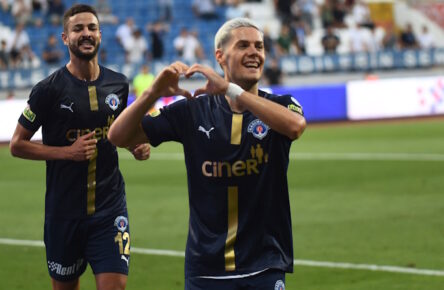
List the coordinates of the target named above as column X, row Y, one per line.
column 17, row 41
column 22, row 11
column 55, row 11
column 327, row 17
column 268, row 42
column 330, row 41
column 283, row 9
column 52, row 54
column 125, row 31
column 299, row 32
column 103, row 56
column 4, row 56
column 104, row 12
column 285, row 43
column 204, row 9
column 408, row 38
column 165, row 10
column 28, row 57
column 339, row 12
column 361, row 14
column 143, row 80
column 357, row 39
column 188, row 47
column 273, row 73
column 375, row 39
column 425, row 39
column 156, row 32
column 390, row 40
column 136, row 48
column 233, row 10
column 40, row 5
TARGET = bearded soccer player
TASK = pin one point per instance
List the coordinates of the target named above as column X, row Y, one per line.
column 236, row 139
column 86, row 219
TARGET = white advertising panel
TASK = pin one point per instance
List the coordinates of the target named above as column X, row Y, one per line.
column 394, row 98
column 10, row 111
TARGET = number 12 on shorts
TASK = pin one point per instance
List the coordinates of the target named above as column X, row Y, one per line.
column 120, row 238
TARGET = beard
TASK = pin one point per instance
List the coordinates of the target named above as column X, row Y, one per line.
column 75, row 49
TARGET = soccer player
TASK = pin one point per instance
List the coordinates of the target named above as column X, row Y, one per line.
column 86, row 218
column 236, row 139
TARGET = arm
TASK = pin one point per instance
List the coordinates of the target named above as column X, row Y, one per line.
column 275, row 115
column 126, row 130
column 21, row 146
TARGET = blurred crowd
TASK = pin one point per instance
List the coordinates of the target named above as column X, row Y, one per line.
column 142, row 44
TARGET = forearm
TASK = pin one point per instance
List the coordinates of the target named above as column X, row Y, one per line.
column 278, row 117
column 126, row 130
column 36, row 151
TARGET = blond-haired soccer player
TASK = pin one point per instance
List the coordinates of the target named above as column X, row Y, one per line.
column 236, row 139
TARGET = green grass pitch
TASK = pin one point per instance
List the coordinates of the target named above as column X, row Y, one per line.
column 368, row 193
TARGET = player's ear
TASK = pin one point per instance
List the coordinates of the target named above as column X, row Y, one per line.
column 64, row 38
column 220, row 56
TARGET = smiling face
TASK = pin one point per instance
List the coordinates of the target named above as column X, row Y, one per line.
column 242, row 57
column 82, row 36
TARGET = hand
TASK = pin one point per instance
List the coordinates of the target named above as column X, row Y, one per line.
column 141, row 151
column 83, row 148
column 215, row 84
column 167, row 82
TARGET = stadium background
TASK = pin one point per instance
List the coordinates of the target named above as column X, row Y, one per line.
column 367, row 197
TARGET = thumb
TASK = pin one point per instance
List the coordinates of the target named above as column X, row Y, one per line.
column 199, row 91
column 184, row 93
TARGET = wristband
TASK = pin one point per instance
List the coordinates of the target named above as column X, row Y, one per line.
column 233, row 91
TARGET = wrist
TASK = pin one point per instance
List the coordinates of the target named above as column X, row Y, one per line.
column 234, row 91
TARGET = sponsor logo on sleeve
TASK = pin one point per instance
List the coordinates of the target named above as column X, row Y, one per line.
column 155, row 113
column 28, row 114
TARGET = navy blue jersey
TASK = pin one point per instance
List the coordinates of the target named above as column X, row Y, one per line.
column 67, row 108
column 237, row 183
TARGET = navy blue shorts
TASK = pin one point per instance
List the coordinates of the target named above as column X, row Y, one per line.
column 268, row 280
column 103, row 242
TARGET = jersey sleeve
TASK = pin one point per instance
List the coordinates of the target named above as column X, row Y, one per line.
column 291, row 103
column 167, row 124
column 35, row 113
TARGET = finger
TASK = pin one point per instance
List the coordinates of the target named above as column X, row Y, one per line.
column 180, row 66
column 88, row 135
column 91, row 141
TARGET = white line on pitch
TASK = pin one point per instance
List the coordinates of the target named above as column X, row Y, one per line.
column 308, row 263
column 324, row 156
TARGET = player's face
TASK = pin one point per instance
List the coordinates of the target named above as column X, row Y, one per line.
column 83, row 36
column 243, row 56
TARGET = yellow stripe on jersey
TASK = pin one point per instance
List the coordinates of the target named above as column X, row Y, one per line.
column 91, row 185
column 230, row 263
column 236, row 129
column 93, row 103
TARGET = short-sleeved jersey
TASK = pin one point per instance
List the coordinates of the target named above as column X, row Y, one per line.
column 237, row 184
column 67, row 108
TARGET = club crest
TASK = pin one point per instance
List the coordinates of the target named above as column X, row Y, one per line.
column 279, row 285
column 112, row 100
column 258, row 129
column 121, row 223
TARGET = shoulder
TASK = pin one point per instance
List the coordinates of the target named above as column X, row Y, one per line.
column 287, row 100
column 113, row 75
column 53, row 81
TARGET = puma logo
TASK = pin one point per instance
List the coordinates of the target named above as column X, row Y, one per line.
column 63, row 106
column 207, row 132
column 125, row 259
